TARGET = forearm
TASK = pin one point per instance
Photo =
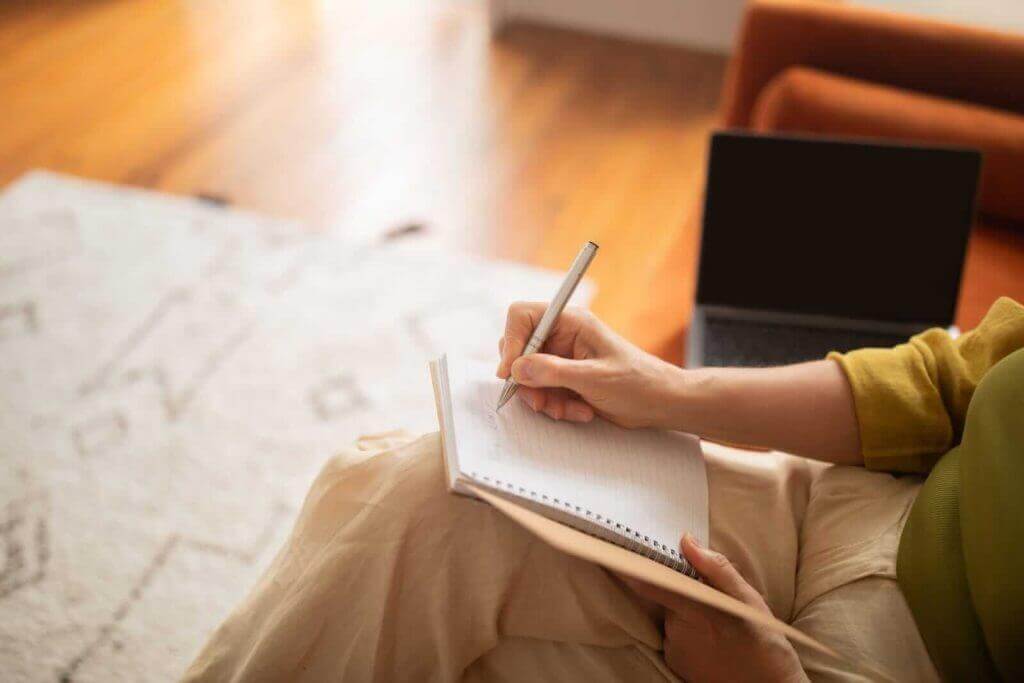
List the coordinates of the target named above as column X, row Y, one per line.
column 805, row 409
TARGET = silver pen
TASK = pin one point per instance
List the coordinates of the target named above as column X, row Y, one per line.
column 547, row 321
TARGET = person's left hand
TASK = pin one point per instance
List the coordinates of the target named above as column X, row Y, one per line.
column 704, row 644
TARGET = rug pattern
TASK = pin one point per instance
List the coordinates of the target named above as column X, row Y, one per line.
column 172, row 376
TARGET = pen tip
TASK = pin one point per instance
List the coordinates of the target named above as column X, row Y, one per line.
column 506, row 393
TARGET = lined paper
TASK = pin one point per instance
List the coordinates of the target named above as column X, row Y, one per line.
column 652, row 482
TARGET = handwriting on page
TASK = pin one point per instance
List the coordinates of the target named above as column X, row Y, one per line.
column 483, row 396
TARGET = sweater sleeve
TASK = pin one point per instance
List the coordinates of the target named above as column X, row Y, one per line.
column 911, row 400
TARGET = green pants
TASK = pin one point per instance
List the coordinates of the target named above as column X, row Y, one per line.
column 961, row 556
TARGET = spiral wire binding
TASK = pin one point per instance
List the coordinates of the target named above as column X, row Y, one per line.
column 618, row 533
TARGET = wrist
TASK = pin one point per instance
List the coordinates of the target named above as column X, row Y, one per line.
column 707, row 402
column 679, row 394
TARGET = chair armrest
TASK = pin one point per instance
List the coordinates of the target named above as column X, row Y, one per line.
column 933, row 57
column 806, row 100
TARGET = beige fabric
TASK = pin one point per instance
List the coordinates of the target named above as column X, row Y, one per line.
column 846, row 590
column 389, row 577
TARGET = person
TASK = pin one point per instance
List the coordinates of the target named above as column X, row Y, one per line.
column 881, row 517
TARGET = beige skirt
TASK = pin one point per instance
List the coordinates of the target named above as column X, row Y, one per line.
column 388, row 577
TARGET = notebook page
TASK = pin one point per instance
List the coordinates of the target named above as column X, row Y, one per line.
column 650, row 481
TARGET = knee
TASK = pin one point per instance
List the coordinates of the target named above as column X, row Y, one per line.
column 384, row 451
column 368, row 446
column 390, row 485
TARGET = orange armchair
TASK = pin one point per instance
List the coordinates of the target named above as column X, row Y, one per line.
column 835, row 69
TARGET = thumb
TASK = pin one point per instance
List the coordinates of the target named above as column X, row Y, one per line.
column 547, row 370
column 718, row 571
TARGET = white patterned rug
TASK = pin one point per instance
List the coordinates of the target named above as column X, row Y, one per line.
column 172, row 376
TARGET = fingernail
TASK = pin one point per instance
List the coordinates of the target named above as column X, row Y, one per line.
column 522, row 369
column 688, row 538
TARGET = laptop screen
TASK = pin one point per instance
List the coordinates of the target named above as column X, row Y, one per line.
column 848, row 229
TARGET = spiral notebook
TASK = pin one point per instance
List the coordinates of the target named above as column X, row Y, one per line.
column 619, row 498
column 638, row 489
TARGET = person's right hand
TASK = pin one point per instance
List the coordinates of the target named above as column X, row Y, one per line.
column 585, row 368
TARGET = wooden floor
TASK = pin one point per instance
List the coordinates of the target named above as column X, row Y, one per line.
column 360, row 118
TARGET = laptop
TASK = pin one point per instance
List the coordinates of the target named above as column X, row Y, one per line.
column 812, row 245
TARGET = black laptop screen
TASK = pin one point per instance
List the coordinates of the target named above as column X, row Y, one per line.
column 849, row 229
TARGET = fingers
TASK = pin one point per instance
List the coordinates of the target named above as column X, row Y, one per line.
column 557, row 404
column 578, row 411
column 713, row 566
column 522, row 318
column 718, row 571
column 686, row 622
column 548, row 370
column 683, row 612
column 682, row 635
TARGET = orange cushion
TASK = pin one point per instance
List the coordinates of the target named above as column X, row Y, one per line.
column 807, row 100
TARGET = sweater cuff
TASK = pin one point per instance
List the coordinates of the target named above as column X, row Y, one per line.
column 902, row 422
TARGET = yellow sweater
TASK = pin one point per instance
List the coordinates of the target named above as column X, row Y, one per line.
column 911, row 400
column 933, row 406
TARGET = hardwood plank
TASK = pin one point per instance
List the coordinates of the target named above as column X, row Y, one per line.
column 356, row 117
